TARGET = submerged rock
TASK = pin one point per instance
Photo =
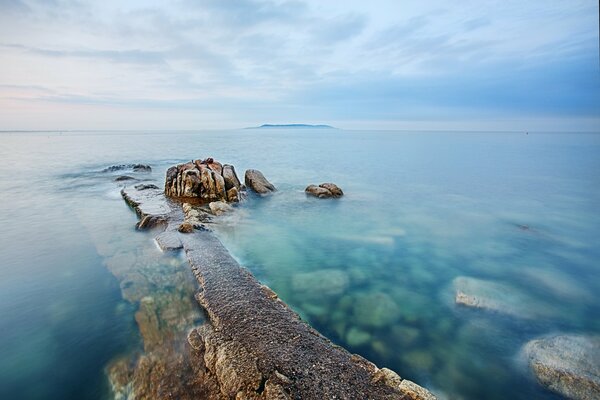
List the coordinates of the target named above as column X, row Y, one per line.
column 375, row 309
column 497, row 297
column 324, row 190
column 356, row 337
column 567, row 364
column 321, row 283
column 256, row 181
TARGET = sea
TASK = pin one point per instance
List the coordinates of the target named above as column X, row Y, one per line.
column 514, row 214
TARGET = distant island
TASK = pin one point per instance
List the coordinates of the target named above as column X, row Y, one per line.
column 293, row 126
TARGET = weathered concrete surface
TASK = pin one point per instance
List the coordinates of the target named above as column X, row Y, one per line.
column 254, row 346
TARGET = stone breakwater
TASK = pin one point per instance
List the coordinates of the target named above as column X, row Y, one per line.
column 252, row 346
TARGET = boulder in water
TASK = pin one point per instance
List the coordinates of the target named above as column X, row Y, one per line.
column 567, row 364
column 324, row 190
column 219, row 207
column 256, row 181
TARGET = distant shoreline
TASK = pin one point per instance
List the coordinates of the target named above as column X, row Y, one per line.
column 292, row 126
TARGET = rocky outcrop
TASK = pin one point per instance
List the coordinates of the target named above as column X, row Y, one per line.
column 253, row 346
column 324, row 190
column 256, row 181
column 567, row 364
column 202, row 179
column 133, row 167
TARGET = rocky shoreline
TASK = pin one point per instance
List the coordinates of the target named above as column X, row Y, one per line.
column 252, row 345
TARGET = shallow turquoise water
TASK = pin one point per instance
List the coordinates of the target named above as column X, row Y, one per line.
column 372, row 271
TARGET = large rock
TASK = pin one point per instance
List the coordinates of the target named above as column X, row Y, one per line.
column 203, row 179
column 567, row 364
column 324, row 190
column 256, row 181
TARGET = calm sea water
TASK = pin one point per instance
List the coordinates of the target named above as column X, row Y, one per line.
column 373, row 270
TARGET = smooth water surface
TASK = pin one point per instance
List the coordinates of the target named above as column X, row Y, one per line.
column 373, row 271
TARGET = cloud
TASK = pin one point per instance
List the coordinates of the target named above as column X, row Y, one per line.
column 378, row 59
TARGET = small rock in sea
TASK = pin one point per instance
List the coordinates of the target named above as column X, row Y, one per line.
column 256, row 181
column 186, row 227
column 567, row 364
column 324, row 191
column 145, row 186
column 124, row 178
column 141, row 168
column 219, row 207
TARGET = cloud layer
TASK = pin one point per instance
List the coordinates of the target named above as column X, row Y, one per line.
column 188, row 64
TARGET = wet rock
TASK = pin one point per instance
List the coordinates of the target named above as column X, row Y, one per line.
column 333, row 188
column 497, row 297
column 388, row 377
column 256, row 181
column 415, row 392
column 144, row 186
column 375, row 309
column 233, row 195
column 168, row 241
column 151, row 222
column 186, row 227
column 320, row 283
column 133, row 167
column 324, row 190
column 196, row 179
column 219, row 207
column 141, row 168
column 231, row 178
column 567, row 364
column 124, row 178
column 318, row 191
column 196, row 215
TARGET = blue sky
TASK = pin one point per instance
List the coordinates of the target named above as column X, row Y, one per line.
column 497, row 64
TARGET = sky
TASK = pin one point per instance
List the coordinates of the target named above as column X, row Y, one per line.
column 212, row 64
